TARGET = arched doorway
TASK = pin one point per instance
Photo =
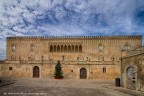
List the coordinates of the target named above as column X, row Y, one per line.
column 83, row 73
column 131, row 78
column 36, row 72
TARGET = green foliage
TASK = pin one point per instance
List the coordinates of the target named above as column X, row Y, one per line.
column 58, row 71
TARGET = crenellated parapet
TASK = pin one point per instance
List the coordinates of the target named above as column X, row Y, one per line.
column 74, row 37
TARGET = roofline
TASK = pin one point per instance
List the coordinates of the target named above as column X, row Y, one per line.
column 79, row 37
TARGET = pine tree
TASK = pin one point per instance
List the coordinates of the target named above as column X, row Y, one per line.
column 58, row 71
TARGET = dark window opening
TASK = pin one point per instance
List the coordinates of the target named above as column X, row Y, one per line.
column 76, row 48
column 51, row 48
column 58, row 48
column 80, row 48
column 104, row 70
column 54, row 48
column 10, row 68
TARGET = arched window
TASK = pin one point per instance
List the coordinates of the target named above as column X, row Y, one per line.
column 58, row 48
column 76, row 48
column 69, row 48
column 32, row 47
column 13, row 47
column 73, row 48
column 100, row 47
column 54, row 48
column 65, row 48
column 62, row 49
column 51, row 48
column 80, row 48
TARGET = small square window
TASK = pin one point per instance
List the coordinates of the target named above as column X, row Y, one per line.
column 10, row 68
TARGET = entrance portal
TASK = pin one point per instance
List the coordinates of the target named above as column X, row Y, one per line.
column 36, row 72
column 83, row 73
column 131, row 78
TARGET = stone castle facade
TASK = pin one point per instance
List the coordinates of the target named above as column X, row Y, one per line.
column 81, row 57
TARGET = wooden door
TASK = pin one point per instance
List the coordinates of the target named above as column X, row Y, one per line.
column 83, row 73
column 36, row 72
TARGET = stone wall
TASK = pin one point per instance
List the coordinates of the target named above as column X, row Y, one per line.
column 70, row 71
column 137, row 63
column 98, row 54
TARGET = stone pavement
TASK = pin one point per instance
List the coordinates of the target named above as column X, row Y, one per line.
column 52, row 87
column 6, row 81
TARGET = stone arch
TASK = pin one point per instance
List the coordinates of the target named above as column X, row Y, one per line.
column 73, row 48
column 69, row 48
column 36, row 72
column 76, row 48
column 51, row 48
column 62, row 48
column 80, row 48
column 58, row 48
column 83, row 73
column 65, row 48
column 55, row 47
column 130, row 76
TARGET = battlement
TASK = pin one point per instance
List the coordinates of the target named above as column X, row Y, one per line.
column 75, row 37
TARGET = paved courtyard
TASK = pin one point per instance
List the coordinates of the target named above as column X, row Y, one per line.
column 52, row 87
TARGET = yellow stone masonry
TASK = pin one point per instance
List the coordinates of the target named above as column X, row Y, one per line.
column 82, row 57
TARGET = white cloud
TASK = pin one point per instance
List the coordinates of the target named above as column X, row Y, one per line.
column 68, row 17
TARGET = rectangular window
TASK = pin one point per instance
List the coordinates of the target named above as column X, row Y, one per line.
column 104, row 69
column 10, row 68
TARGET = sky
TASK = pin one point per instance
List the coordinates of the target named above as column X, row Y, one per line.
column 69, row 18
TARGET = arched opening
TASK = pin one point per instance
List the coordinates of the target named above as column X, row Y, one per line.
column 131, row 78
column 80, row 48
column 69, row 48
column 62, row 48
column 72, row 48
column 54, row 48
column 76, row 48
column 36, row 72
column 58, row 48
column 83, row 73
column 51, row 48
column 65, row 48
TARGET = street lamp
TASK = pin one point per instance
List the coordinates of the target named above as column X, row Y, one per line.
column 122, row 49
